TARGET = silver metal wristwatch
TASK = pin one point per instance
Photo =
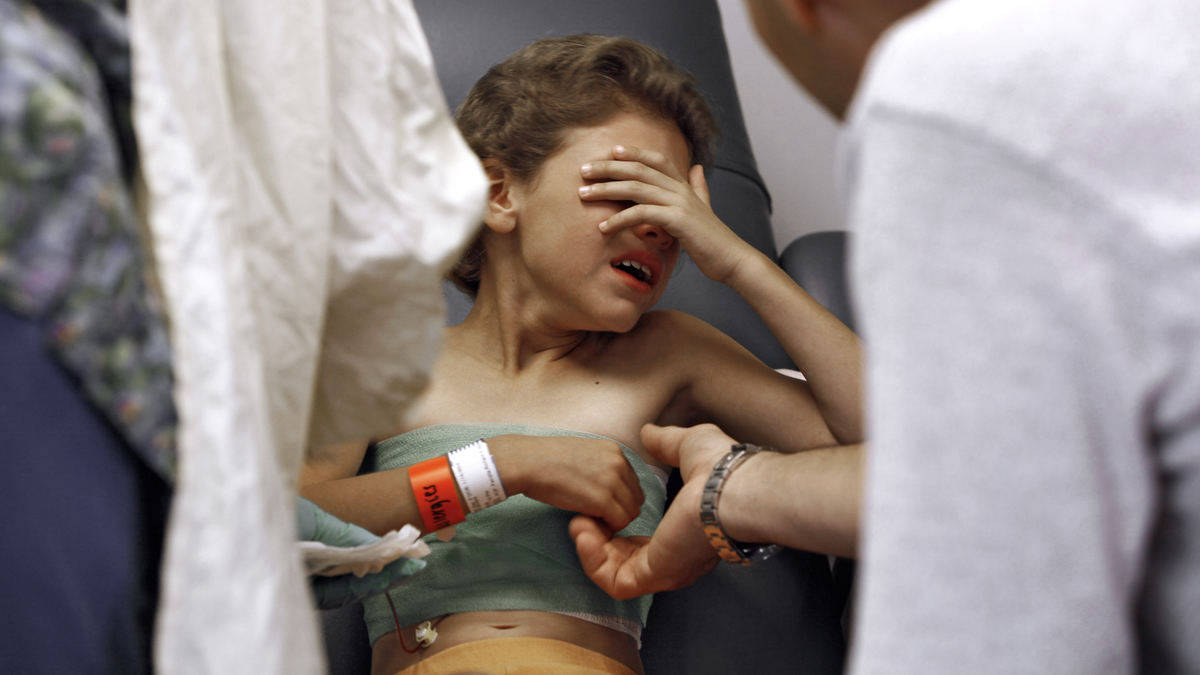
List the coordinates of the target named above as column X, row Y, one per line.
column 728, row 549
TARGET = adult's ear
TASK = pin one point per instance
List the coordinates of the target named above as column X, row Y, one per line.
column 802, row 13
column 783, row 16
column 501, row 214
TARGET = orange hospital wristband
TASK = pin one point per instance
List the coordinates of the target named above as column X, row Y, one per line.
column 433, row 487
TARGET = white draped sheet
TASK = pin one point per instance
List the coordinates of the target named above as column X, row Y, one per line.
column 305, row 189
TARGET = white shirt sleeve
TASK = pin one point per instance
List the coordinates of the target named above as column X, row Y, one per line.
column 1009, row 487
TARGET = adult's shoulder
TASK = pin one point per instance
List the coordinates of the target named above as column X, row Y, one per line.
column 1099, row 95
column 1022, row 65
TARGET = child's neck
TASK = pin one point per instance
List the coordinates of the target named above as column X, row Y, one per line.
column 515, row 344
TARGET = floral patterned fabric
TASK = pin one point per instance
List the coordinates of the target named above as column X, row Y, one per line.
column 70, row 251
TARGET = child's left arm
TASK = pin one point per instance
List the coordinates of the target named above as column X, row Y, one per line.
column 821, row 346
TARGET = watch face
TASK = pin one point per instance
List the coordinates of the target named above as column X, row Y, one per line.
column 759, row 552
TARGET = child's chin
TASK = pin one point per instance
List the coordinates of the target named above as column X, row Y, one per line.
column 618, row 317
column 618, row 324
column 627, row 325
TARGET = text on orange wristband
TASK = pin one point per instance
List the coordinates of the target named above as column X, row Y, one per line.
column 433, row 487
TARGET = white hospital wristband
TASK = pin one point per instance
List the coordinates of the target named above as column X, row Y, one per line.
column 477, row 477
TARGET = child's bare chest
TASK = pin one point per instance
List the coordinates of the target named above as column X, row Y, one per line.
column 610, row 401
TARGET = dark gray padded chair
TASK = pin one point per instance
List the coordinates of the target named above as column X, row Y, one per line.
column 817, row 261
column 782, row 615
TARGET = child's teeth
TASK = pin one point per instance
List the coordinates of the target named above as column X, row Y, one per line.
column 631, row 265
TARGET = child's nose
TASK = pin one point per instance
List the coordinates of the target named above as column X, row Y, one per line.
column 654, row 234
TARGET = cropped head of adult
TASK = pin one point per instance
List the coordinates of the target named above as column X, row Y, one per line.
column 824, row 44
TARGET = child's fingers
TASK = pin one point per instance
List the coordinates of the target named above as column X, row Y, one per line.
column 626, row 191
column 650, row 158
column 632, row 163
column 616, row 170
column 632, row 216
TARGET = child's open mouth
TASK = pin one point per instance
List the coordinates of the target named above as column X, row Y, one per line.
column 635, row 269
column 641, row 269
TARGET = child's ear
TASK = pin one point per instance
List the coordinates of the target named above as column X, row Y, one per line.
column 501, row 214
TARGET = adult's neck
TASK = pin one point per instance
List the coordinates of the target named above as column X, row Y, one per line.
column 825, row 44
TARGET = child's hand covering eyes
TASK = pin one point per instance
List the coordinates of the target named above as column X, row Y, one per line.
column 666, row 199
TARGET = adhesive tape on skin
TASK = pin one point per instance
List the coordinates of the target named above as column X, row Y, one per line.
column 477, row 477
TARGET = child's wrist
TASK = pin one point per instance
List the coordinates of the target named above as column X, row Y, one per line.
column 749, row 267
column 448, row 487
column 505, row 452
column 436, row 493
column 478, row 477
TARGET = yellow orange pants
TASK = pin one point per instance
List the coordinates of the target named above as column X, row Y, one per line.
column 518, row 656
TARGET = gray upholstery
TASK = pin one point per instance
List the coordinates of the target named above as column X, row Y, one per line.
column 782, row 615
column 817, row 261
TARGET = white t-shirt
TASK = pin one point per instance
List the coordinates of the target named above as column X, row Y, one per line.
column 1023, row 181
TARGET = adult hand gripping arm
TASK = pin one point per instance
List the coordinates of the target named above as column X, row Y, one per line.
column 807, row 500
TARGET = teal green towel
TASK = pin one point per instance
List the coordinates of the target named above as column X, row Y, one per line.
column 515, row 555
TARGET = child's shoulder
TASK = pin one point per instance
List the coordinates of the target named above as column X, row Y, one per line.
column 669, row 326
column 667, row 319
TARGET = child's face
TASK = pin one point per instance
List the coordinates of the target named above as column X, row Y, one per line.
column 584, row 273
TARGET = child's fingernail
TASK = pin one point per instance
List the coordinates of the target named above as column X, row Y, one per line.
column 620, row 150
column 603, row 226
column 586, row 169
column 584, row 190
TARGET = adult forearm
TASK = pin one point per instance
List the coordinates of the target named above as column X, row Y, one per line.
column 808, row 500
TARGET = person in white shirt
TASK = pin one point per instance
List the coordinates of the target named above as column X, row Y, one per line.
column 1021, row 182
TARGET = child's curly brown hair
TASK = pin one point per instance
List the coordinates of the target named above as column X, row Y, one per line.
column 520, row 110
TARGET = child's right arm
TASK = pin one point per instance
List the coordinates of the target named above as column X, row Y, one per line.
column 586, row 475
